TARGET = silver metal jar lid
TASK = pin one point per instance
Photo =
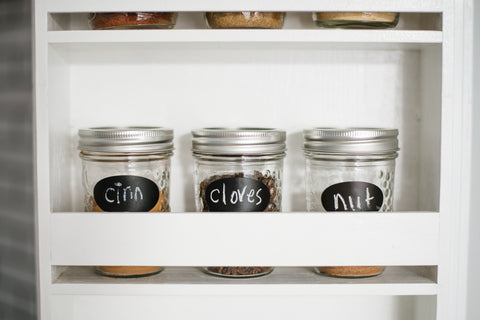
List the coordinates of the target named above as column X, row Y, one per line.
column 351, row 141
column 238, row 141
column 126, row 139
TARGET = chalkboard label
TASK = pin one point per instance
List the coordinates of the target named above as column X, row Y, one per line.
column 126, row 193
column 237, row 194
column 352, row 196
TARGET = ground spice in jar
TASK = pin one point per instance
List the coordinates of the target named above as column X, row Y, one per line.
column 350, row 170
column 126, row 169
column 130, row 271
column 356, row 19
column 247, row 19
column 131, row 20
column 353, row 272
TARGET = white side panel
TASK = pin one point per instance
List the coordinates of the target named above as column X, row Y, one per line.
column 473, row 309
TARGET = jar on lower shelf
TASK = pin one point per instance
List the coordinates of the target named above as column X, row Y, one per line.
column 356, row 20
column 126, row 169
column 238, row 170
column 350, row 170
column 246, row 19
column 133, row 20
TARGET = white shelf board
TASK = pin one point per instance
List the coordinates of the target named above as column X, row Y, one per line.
column 252, row 5
column 282, row 281
column 278, row 239
column 232, row 36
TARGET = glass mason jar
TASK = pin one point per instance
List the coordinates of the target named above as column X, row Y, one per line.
column 356, row 20
column 126, row 169
column 238, row 170
column 352, row 170
column 246, row 19
column 132, row 20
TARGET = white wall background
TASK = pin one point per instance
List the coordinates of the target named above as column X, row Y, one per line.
column 17, row 253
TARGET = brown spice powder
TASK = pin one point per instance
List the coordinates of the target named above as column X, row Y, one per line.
column 224, row 20
column 120, row 271
column 111, row 20
column 128, row 271
column 361, row 271
column 356, row 16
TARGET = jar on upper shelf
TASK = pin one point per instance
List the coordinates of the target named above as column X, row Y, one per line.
column 126, row 169
column 356, row 20
column 133, row 20
column 245, row 19
column 353, row 170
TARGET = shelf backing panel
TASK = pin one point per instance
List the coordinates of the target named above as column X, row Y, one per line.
column 186, row 86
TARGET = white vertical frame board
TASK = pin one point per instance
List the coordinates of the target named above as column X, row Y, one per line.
column 414, row 77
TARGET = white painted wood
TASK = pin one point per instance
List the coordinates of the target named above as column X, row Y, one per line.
column 197, row 239
column 252, row 5
column 42, row 160
column 282, row 281
column 235, row 307
column 456, row 148
column 263, row 36
column 473, row 308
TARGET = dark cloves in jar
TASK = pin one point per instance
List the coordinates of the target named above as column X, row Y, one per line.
column 238, row 170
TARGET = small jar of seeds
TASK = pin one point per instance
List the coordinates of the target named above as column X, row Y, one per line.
column 238, row 170
column 245, row 19
column 350, row 169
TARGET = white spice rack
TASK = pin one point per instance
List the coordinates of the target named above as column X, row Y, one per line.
column 294, row 78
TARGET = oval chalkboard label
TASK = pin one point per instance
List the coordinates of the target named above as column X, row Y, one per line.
column 237, row 194
column 352, row 196
column 126, row 193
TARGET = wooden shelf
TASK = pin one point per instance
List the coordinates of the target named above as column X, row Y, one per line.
column 282, row 281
